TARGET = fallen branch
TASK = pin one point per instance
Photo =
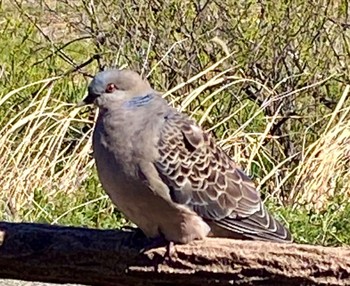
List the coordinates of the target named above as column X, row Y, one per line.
column 106, row 257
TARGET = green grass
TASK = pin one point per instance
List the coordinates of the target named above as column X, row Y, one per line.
column 302, row 169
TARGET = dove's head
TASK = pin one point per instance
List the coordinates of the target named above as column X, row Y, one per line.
column 113, row 84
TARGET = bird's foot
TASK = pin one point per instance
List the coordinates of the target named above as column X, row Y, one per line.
column 160, row 241
column 139, row 239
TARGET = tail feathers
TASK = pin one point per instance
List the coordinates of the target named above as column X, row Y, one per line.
column 259, row 226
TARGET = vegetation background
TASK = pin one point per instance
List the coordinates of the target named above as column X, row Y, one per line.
column 270, row 79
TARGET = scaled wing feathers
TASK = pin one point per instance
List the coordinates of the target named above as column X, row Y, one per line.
column 200, row 175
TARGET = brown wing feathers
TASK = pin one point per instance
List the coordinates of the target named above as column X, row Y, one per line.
column 202, row 176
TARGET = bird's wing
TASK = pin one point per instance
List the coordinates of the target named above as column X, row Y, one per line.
column 200, row 175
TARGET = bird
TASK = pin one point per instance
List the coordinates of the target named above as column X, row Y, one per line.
column 165, row 173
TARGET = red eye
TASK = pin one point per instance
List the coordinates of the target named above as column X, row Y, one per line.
column 111, row 87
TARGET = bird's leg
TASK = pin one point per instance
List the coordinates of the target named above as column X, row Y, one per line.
column 160, row 241
column 169, row 250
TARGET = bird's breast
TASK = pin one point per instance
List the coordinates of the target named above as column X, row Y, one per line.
column 125, row 140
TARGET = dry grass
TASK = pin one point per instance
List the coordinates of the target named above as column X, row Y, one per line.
column 34, row 152
column 324, row 170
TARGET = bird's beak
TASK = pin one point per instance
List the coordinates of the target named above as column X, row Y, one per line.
column 89, row 99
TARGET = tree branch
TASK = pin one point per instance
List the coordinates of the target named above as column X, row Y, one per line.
column 48, row 253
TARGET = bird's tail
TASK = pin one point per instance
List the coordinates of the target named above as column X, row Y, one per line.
column 259, row 226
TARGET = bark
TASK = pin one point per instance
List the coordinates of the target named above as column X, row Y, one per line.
column 49, row 253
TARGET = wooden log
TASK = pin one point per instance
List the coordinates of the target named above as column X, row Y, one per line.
column 48, row 253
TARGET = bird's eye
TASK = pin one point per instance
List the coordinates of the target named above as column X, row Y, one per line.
column 111, row 87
